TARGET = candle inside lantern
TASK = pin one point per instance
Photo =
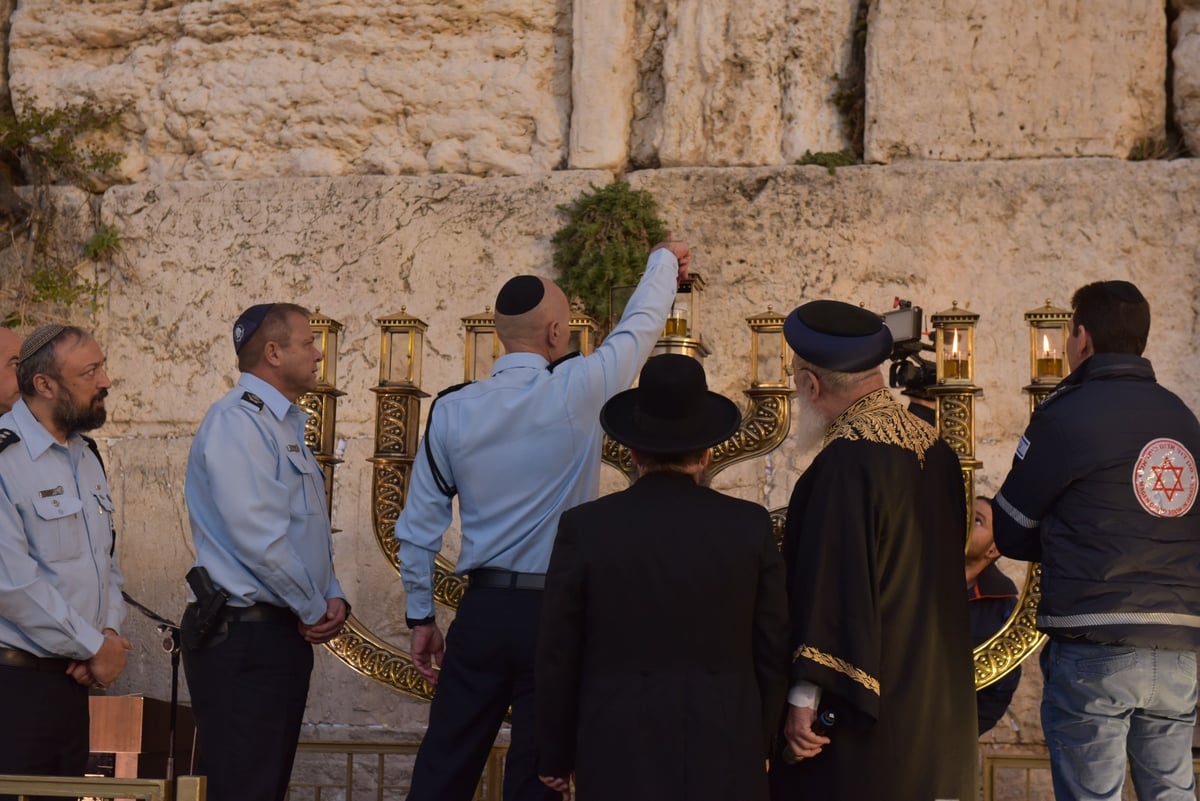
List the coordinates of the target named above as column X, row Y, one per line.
column 955, row 363
column 1049, row 364
column 677, row 323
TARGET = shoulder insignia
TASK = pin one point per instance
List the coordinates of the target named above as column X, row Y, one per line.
column 253, row 400
column 91, row 443
column 550, row 367
column 453, row 388
column 1165, row 479
column 7, row 437
column 1062, row 389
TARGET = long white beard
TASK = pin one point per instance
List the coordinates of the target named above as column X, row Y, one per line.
column 809, row 425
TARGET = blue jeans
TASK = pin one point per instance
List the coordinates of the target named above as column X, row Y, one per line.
column 1103, row 702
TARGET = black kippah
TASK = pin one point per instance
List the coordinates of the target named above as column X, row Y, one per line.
column 520, row 294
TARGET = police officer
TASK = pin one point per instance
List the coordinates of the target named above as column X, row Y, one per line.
column 10, row 350
column 518, row 448
column 256, row 499
column 60, row 587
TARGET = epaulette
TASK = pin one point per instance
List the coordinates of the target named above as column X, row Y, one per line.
column 445, row 486
column 1059, row 391
column 7, row 437
column 253, row 400
column 550, row 367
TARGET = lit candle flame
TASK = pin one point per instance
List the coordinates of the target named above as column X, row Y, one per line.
column 954, row 348
column 1046, row 346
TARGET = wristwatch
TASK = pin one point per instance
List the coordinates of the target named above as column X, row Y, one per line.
column 413, row 622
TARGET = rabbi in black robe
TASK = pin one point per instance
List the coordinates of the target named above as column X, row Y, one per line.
column 874, row 549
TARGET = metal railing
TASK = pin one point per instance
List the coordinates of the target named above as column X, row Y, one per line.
column 1028, row 763
column 369, row 770
column 187, row 788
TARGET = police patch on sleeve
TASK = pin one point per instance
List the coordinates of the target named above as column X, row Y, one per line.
column 1164, row 478
column 1022, row 447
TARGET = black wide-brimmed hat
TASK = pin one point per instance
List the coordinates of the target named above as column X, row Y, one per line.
column 837, row 336
column 671, row 410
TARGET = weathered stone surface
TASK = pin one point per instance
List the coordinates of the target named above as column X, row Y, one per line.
column 998, row 237
column 1185, row 57
column 234, row 89
column 603, row 77
column 960, row 80
column 737, row 83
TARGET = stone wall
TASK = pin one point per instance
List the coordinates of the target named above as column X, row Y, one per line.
column 230, row 89
column 999, row 238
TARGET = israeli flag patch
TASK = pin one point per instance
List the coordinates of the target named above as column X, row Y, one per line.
column 1022, row 447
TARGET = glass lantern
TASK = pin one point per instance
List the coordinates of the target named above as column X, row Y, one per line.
column 1049, row 328
column 954, row 344
column 482, row 345
column 683, row 321
column 584, row 333
column 326, row 332
column 769, row 353
column 401, row 342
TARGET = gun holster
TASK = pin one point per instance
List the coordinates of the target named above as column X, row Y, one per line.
column 204, row 624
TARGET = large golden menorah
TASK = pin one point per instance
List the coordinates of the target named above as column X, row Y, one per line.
column 764, row 427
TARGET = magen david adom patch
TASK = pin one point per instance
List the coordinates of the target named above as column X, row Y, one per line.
column 1164, row 478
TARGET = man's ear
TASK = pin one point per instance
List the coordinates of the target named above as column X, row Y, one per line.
column 1086, row 348
column 271, row 353
column 41, row 385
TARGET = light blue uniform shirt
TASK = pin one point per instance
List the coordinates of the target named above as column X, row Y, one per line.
column 256, row 498
column 522, row 446
column 59, row 585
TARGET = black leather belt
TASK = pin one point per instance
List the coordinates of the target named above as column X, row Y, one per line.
column 261, row 613
column 490, row 578
column 13, row 657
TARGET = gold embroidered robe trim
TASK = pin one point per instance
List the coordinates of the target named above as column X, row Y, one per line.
column 877, row 417
column 840, row 665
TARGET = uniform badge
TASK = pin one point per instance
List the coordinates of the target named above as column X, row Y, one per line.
column 1022, row 447
column 1164, row 478
column 50, row 493
column 293, row 448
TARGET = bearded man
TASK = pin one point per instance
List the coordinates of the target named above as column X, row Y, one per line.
column 60, row 587
column 874, row 553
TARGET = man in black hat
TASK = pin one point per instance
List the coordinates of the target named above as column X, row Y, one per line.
column 516, row 449
column 663, row 644
column 874, row 549
column 256, row 501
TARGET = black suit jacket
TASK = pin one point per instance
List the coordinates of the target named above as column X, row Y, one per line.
column 662, row 657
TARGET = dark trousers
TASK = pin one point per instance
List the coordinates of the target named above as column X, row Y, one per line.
column 43, row 724
column 490, row 651
column 248, row 696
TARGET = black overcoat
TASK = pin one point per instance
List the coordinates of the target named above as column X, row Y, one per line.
column 662, row 656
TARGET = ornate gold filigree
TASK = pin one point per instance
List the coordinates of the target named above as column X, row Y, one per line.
column 1017, row 639
column 840, row 665
column 877, row 417
column 370, row 656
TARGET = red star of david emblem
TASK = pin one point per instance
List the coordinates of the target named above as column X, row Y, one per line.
column 1167, row 466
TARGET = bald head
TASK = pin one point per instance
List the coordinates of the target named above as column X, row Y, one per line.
column 543, row 329
column 10, row 347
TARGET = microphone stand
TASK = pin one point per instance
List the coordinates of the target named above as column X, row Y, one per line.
column 170, row 644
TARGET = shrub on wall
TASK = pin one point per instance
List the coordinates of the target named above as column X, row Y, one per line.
column 604, row 243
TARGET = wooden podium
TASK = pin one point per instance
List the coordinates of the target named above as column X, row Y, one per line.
column 134, row 730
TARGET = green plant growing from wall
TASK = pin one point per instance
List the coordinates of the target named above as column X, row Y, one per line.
column 604, row 243
column 43, row 268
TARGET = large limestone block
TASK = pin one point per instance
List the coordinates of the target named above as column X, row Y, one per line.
column 236, row 89
column 960, row 80
column 723, row 82
column 198, row 253
column 1185, row 58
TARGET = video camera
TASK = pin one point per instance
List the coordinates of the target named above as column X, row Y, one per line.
column 909, row 368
